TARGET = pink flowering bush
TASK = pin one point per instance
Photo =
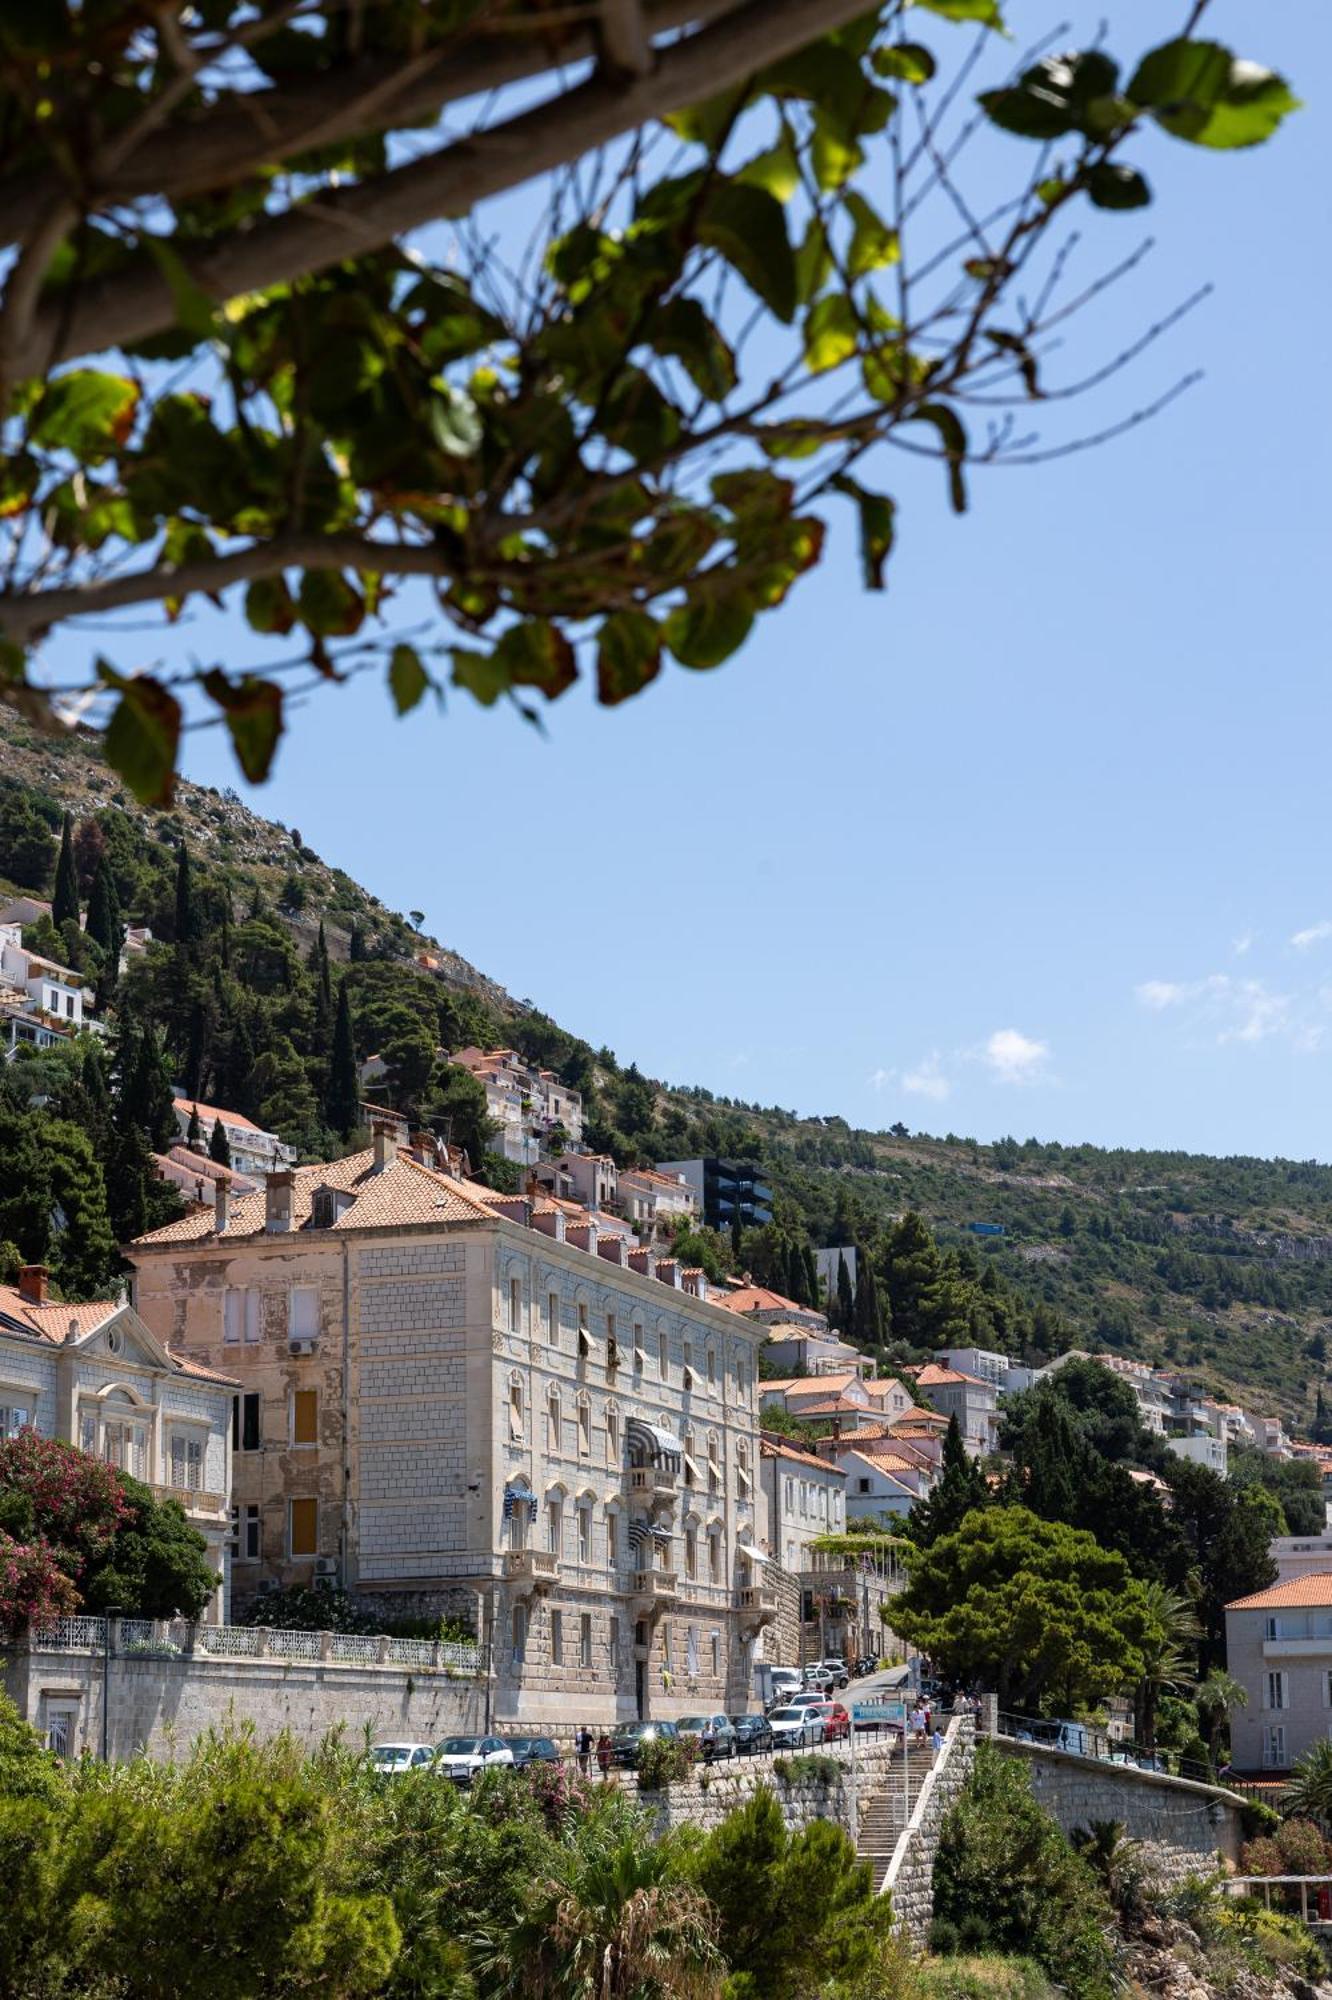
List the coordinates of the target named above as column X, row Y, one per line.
column 561, row 1791
column 34, row 1589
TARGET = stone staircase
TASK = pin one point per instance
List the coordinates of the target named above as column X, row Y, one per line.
column 885, row 1812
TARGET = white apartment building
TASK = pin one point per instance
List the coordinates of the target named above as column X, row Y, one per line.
column 653, row 1202
column 1300, row 1555
column 881, row 1487
column 1279, row 1646
column 1004, row 1374
column 973, row 1401
column 451, row 1399
column 95, row 1376
column 1201, row 1449
column 531, row 1107
column 805, row 1498
column 254, row 1152
column 592, row 1178
column 796, row 1350
column 49, row 989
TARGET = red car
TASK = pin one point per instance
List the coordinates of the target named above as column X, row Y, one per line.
column 835, row 1719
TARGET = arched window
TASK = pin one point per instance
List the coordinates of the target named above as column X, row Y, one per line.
column 715, row 1553
column 515, row 1405
column 555, row 1521
column 612, row 1433
column 742, row 1467
column 639, row 1338
column 687, row 1378
column 554, row 1425
column 691, row 1551
column 714, row 1463
column 584, row 1426
column 712, row 1364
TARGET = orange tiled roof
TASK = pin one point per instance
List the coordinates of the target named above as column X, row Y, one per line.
column 771, row 1445
column 51, row 1321
column 212, row 1112
column 758, row 1298
column 932, row 1376
column 921, row 1420
column 1301, row 1591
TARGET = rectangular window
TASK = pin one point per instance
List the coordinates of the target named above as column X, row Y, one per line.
column 246, row 1422
column 305, row 1416
column 303, row 1313
column 554, row 1527
column 614, row 1641
column 186, row 1459
column 584, row 1337
column 716, row 1655
column 714, row 1558
column 691, row 1553
column 687, row 1373
column 556, row 1639
column 240, row 1315
column 515, row 1409
column 243, row 1540
column 61, row 1726
column 14, row 1417
column 1278, row 1691
column 612, row 1539
column 612, row 1437
column 638, row 1348
column 585, row 1640
column 662, row 1357
column 303, row 1527
column 554, row 1443
column 612, row 1342
column 88, row 1434
column 515, row 1305
column 585, row 1428
column 553, row 1318
column 584, row 1535
column 1274, row 1746
column 712, row 1368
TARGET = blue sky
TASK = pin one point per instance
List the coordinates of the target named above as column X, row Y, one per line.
column 1038, row 841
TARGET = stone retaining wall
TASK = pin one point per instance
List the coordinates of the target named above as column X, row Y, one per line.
column 713, row 1791
column 1182, row 1825
column 123, row 1704
column 910, row 1876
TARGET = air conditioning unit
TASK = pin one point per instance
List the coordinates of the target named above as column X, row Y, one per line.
column 323, row 1583
column 326, row 1566
column 302, row 1346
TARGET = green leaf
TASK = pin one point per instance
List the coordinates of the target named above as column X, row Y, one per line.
column 709, row 626
column 628, row 655
column 480, row 674
column 86, row 412
column 269, row 606
column 911, row 61
column 408, row 679
column 954, row 439
column 638, row 418
column 877, row 517
column 761, row 497
column 18, row 482
column 682, row 329
column 833, row 156
column 813, row 262
column 253, row 711
column 184, row 542
column 455, row 420
column 1252, row 109
column 1112, row 186
column 196, row 313
column 873, row 244
column 704, row 124
column 984, row 11
column 747, row 225
column 329, row 606
column 831, row 333
column 1200, row 92
column 777, row 170
column 1052, row 97
column 143, row 736
column 536, row 654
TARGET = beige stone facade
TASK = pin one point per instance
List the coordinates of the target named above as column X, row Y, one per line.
column 452, row 1400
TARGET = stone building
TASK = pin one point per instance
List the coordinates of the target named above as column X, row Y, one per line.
column 455, row 1400
column 1279, row 1647
column 95, row 1376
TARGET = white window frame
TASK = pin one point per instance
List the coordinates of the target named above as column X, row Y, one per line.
column 552, row 1319
column 585, row 1533
column 1276, row 1691
column 555, row 1525
column 584, row 1426
column 516, row 1407
column 241, row 1317
column 192, row 1456
column 303, row 1318
column 16, row 1416
column 60, row 1726
column 554, row 1424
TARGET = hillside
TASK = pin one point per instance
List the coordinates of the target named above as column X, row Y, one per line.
column 1220, row 1266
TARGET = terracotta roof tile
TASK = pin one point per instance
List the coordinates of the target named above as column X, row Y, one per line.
column 50, row 1320
column 397, row 1195
column 932, row 1376
column 1300, row 1591
column 212, row 1112
column 771, row 1445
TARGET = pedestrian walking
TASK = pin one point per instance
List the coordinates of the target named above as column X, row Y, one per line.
column 585, row 1751
column 936, row 1741
column 604, row 1755
column 929, row 1720
column 918, row 1723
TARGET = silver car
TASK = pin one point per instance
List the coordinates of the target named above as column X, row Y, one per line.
column 462, row 1758
column 391, row 1760
column 794, row 1728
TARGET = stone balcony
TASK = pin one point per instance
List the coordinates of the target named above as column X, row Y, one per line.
column 757, row 1605
column 653, row 1485
column 531, row 1570
column 655, row 1588
column 192, row 1499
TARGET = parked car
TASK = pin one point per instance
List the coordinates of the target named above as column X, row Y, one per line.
column 835, row 1719
column 714, row 1732
column 532, row 1750
column 753, row 1735
column 392, row 1759
column 779, row 1684
column 629, row 1738
column 463, row 1757
column 794, row 1728
column 818, row 1677
column 837, row 1668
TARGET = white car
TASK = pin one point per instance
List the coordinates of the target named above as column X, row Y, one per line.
column 819, row 1677
column 793, row 1728
column 391, row 1760
column 462, row 1757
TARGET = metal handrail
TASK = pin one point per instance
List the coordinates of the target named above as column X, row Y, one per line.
column 1107, row 1749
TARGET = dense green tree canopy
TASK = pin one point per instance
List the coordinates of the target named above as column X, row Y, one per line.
column 568, row 448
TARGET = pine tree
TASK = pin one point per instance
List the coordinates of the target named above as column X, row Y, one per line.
column 342, row 1103
column 103, row 923
column 186, row 914
column 961, row 1486
column 146, row 1102
column 65, row 896
column 194, row 1131
column 846, row 1298
column 219, row 1146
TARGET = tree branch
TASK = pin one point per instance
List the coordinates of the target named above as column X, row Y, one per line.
column 351, row 221
column 24, row 615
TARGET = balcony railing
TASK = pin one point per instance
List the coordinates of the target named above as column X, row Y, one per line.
column 531, row 1566
column 652, row 1482
column 191, row 1498
column 658, row 1584
column 757, row 1600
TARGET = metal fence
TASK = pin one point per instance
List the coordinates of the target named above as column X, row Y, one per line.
column 170, row 1638
column 1079, row 1739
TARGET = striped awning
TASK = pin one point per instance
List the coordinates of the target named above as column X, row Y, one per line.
column 654, row 1445
column 691, row 1466
column 640, row 1535
column 519, row 1494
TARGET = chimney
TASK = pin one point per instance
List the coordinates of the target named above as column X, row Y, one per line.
column 33, row 1280
column 385, row 1136
column 277, row 1203
column 71, row 1333
column 221, row 1206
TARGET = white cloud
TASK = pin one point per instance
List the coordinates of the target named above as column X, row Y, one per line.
column 1159, row 993
column 1243, row 944
column 1257, row 1011
column 1014, row 1057
column 881, row 1078
column 927, row 1079
column 1313, row 935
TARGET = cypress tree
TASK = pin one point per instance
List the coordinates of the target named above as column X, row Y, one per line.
column 194, row 1131
column 812, row 1287
column 103, row 924
column 323, row 994
column 219, row 1146
column 867, row 1318
column 65, row 897
column 147, row 1104
column 357, row 951
column 194, row 1049
column 846, row 1298
column 186, row 918
column 793, row 1282
column 342, row 1105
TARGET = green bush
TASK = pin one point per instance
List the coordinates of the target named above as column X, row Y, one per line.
column 1302, row 1848
column 1269, row 1941
column 1006, row 1880
column 809, row 1768
column 664, row 1760
column 984, row 1978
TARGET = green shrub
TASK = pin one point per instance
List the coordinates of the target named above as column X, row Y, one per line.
column 664, row 1761
column 811, row 1767
column 1269, row 1940
column 1302, row 1848
column 1260, row 1857
column 1006, row 1880
column 984, row 1978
